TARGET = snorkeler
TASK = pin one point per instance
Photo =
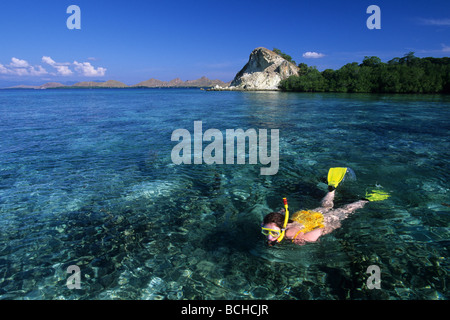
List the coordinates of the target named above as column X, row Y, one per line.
column 308, row 225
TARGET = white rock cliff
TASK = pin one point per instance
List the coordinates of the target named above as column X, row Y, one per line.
column 263, row 71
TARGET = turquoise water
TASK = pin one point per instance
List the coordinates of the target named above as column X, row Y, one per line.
column 86, row 179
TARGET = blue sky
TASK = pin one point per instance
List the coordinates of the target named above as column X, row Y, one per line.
column 133, row 41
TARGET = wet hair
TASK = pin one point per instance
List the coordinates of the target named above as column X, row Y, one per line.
column 274, row 217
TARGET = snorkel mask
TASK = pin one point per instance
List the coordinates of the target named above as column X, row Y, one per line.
column 270, row 232
column 279, row 234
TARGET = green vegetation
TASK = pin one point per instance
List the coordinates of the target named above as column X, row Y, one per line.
column 409, row 74
column 284, row 55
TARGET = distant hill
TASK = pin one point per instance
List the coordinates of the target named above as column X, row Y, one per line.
column 44, row 86
column 177, row 82
column 151, row 83
column 204, row 82
column 106, row 84
column 51, row 85
column 22, row 86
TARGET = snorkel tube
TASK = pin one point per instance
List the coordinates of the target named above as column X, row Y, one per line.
column 286, row 218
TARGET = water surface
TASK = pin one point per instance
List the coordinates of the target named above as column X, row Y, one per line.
column 86, row 179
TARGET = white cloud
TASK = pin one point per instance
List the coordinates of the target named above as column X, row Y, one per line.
column 37, row 71
column 88, row 70
column 64, row 70
column 436, row 22
column 3, row 70
column 48, row 60
column 313, row 55
column 445, row 48
column 19, row 67
column 61, row 68
column 17, row 63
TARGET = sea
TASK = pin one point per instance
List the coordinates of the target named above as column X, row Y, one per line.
column 93, row 207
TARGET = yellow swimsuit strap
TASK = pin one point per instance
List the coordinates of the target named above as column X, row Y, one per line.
column 298, row 232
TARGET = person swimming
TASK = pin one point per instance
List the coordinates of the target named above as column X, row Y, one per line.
column 309, row 226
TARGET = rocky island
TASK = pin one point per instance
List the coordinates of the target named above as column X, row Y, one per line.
column 264, row 70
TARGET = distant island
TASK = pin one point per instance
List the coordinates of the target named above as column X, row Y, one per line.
column 203, row 82
column 408, row 74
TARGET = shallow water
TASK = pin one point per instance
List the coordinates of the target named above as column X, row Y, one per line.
column 86, row 179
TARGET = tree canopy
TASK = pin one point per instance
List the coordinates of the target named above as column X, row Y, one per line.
column 408, row 74
column 284, row 55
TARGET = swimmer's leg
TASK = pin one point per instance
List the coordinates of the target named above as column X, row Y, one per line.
column 333, row 218
column 328, row 201
column 352, row 207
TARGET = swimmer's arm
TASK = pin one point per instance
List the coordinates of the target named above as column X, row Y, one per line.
column 311, row 236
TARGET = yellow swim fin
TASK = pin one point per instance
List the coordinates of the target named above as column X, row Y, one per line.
column 335, row 176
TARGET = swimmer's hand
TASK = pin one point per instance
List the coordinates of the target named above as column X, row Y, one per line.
column 376, row 195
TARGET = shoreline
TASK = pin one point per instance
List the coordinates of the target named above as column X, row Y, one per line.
column 119, row 88
column 241, row 89
column 207, row 89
